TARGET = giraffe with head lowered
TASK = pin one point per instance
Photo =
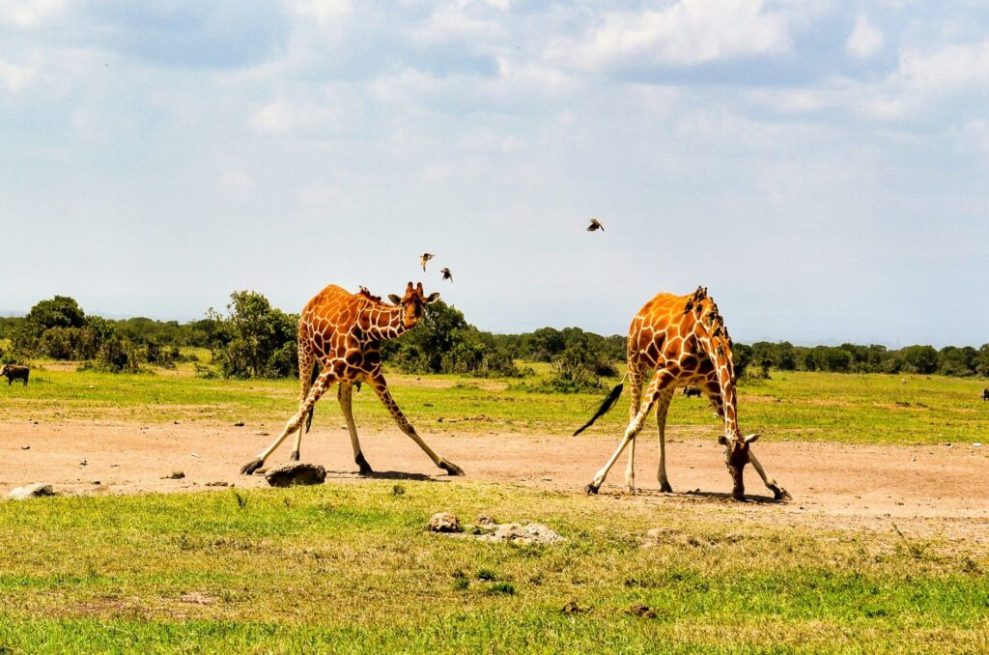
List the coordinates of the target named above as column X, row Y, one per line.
column 342, row 332
column 681, row 340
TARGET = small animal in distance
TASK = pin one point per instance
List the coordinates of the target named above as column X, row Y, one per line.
column 15, row 372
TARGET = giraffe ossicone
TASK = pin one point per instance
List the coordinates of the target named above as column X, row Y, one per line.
column 681, row 340
column 340, row 336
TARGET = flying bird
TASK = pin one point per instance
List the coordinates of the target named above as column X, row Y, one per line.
column 595, row 226
column 447, row 275
column 426, row 256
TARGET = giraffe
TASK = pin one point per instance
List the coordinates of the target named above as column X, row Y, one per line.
column 342, row 332
column 684, row 340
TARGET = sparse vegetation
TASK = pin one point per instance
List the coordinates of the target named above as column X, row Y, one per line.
column 347, row 568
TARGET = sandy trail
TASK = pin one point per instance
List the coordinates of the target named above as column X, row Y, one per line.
column 934, row 490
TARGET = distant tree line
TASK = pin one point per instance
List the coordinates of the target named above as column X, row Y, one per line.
column 763, row 356
column 255, row 340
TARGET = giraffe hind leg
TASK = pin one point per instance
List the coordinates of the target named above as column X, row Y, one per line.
column 308, row 373
column 664, row 378
column 662, row 406
column 635, row 398
column 344, row 396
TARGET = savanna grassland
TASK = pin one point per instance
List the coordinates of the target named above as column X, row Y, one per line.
column 348, row 567
column 848, row 408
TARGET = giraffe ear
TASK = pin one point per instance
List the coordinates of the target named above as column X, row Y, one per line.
column 433, row 297
column 394, row 299
column 723, row 440
column 750, row 438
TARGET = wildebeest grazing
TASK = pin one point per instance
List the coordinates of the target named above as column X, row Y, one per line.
column 985, row 394
column 691, row 391
column 15, row 372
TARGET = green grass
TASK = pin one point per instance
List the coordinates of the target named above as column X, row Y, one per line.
column 348, row 568
column 801, row 406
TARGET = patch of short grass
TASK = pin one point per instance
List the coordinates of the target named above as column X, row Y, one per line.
column 350, row 568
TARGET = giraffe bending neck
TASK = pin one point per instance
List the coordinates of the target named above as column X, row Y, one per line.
column 341, row 332
column 682, row 340
column 383, row 322
column 715, row 340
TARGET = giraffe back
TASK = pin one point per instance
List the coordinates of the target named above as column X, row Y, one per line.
column 664, row 333
column 334, row 323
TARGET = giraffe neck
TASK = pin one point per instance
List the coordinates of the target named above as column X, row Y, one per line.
column 384, row 323
column 730, row 403
column 720, row 355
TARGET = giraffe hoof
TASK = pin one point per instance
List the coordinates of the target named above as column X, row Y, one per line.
column 665, row 487
column 450, row 468
column 592, row 489
column 251, row 467
column 779, row 493
column 365, row 468
column 294, row 456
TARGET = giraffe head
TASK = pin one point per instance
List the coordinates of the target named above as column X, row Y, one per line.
column 736, row 457
column 413, row 303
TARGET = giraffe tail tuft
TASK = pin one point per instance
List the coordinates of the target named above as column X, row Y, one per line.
column 608, row 403
column 312, row 381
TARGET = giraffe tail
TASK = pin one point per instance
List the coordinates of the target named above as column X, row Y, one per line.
column 312, row 380
column 608, row 403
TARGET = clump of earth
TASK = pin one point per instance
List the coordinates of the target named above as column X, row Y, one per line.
column 487, row 529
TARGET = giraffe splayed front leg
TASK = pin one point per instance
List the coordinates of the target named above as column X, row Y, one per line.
column 380, row 387
column 322, row 383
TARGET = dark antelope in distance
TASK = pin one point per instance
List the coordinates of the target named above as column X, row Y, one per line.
column 15, row 372
column 985, row 394
column 340, row 337
column 680, row 340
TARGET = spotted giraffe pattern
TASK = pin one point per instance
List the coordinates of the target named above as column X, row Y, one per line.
column 683, row 341
column 343, row 332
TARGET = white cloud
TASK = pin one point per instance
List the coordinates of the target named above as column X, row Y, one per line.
column 457, row 24
column 323, row 11
column 14, row 76
column 964, row 66
column 275, row 117
column 26, row 14
column 865, row 40
column 236, row 182
column 314, row 114
column 688, row 33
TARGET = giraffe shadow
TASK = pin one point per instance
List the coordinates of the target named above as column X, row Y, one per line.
column 697, row 495
column 722, row 496
column 383, row 475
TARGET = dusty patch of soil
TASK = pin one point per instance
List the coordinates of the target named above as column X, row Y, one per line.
column 926, row 490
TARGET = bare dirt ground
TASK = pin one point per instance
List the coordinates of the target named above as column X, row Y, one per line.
column 937, row 490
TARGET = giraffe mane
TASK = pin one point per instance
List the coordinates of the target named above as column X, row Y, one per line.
column 367, row 294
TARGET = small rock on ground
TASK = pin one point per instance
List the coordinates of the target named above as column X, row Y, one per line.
column 174, row 475
column 529, row 533
column 444, row 522
column 32, row 491
column 292, row 474
column 642, row 611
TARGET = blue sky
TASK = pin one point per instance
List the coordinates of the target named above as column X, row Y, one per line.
column 820, row 166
